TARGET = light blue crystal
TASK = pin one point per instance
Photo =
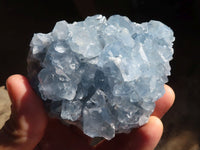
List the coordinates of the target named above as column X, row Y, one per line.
column 97, row 117
column 102, row 75
column 71, row 110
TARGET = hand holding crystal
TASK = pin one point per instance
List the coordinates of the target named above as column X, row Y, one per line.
column 30, row 128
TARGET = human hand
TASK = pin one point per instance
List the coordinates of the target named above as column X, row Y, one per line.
column 30, row 128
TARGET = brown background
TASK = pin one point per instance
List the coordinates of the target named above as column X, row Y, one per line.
column 20, row 19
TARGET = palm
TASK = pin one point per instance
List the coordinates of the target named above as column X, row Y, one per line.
column 62, row 137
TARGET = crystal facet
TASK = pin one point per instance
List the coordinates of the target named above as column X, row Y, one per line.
column 102, row 75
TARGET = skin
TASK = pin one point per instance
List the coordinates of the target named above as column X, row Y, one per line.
column 30, row 128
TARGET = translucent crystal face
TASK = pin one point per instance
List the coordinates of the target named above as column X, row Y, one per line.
column 102, row 75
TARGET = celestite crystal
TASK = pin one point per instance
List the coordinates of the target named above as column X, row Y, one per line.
column 102, row 75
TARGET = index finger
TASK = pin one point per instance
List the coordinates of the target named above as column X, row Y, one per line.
column 164, row 103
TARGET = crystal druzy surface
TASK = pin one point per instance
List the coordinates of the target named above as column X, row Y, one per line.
column 102, row 75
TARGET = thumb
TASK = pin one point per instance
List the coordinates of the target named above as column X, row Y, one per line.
column 28, row 119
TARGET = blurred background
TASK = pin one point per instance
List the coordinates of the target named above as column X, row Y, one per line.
column 19, row 19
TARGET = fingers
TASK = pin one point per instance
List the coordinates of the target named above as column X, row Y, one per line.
column 164, row 103
column 148, row 136
column 143, row 138
column 28, row 120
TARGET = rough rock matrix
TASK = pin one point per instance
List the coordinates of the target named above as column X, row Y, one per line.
column 102, row 75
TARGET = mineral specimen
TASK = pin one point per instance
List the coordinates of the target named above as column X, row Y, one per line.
column 102, row 75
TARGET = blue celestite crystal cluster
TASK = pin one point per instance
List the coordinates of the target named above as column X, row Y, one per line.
column 102, row 75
